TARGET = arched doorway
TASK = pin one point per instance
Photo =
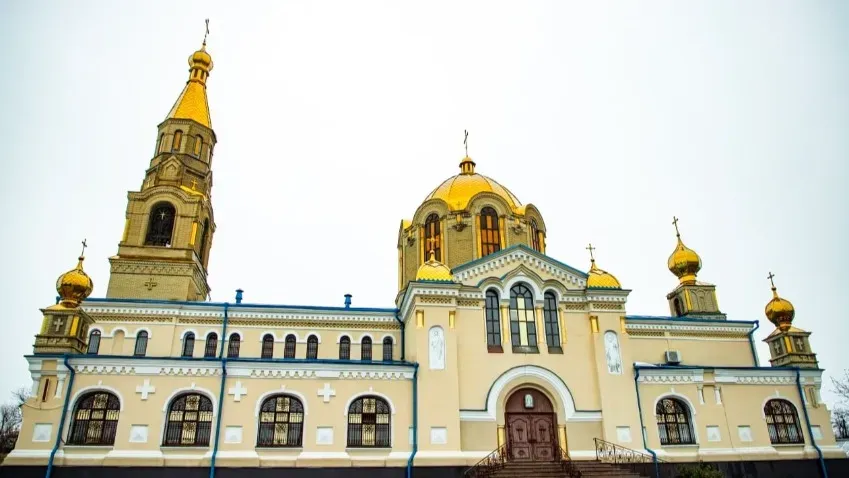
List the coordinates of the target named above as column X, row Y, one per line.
column 531, row 426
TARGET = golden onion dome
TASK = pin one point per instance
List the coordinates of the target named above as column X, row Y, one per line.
column 74, row 286
column 201, row 59
column 434, row 271
column 601, row 279
column 684, row 262
column 779, row 311
column 458, row 190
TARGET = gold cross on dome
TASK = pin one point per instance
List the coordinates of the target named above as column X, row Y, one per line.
column 771, row 282
column 675, row 223
column 591, row 249
column 207, row 31
column 466, row 141
column 84, row 246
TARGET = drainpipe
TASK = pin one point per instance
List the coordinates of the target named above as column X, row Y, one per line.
column 416, row 420
column 640, row 411
column 823, row 469
column 62, row 419
column 220, row 393
column 752, row 342
column 403, row 342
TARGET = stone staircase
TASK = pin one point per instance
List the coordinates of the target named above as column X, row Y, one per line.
column 587, row 469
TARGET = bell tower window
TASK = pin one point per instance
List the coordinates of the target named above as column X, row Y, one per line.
column 160, row 227
column 490, row 234
column 203, row 239
column 178, row 140
column 433, row 238
column 198, row 144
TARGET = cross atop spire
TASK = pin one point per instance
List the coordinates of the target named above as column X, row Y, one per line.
column 466, row 141
column 771, row 282
column 591, row 249
column 675, row 223
column 207, row 32
column 84, row 246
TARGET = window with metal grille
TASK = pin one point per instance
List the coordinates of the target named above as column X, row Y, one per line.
column 281, row 422
column 160, row 225
column 188, row 344
column 673, row 423
column 489, row 231
column 95, row 419
column 211, row 348
column 233, row 346
column 93, row 342
column 369, row 423
column 523, row 328
column 141, row 344
column 365, row 349
column 493, row 322
column 387, row 349
column 289, row 347
column 267, row 346
column 312, row 347
column 433, row 238
column 782, row 422
column 189, row 421
column 345, row 348
column 552, row 321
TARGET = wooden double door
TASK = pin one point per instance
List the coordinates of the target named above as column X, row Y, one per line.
column 531, row 427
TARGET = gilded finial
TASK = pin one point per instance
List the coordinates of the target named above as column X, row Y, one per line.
column 770, row 276
column 82, row 254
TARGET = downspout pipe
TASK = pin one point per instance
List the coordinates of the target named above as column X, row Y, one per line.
column 403, row 342
column 642, row 427
column 220, row 392
column 823, row 469
column 752, row 342
column 62, row 419
column 415, row 420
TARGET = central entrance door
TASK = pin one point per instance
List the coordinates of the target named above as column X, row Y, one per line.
column 531, row 426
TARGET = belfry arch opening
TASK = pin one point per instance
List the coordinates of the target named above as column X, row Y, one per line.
column 531, row 426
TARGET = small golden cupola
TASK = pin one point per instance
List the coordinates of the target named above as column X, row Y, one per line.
column 75, row 285
column 779, row 311
column 434, row 271
column 598, row 278
column 684, row 262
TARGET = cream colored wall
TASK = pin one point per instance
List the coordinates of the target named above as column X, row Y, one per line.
column 713, row 351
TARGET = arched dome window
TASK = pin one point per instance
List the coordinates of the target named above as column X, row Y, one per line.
column 189, row 344
column 160, row 225
column 365, row 349
column 95, row 420
column 433, row 238
column 523, row 329
column 312, row 347
column 387, row 349
column 674, row 425
column 490, row 232
column 211, row 345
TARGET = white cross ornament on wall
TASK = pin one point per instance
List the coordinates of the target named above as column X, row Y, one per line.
column 326, row 392
column 237, row 391
column 145, row 389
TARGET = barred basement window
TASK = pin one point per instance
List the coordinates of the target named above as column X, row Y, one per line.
column 289, row 347
column 281, row 422
column 95, row 420
column 369, row 423
column 365, row 349
column 490, row 233
column 141, row 344
column 93, row 342
column 233, row 346
column 189, row 421
column 493, row 322
column 211, row 345
column 387, row 349
column 188, row 344
column 345, row 348
column 267, row 346
column 312, row 347
column 673, row 423
column 782, row 422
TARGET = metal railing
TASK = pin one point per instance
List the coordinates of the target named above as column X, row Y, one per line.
column 489, row 465
column 633, row 460
column 566, row 465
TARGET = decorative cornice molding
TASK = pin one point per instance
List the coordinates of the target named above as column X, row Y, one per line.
column 754, row 376
column 520, row 255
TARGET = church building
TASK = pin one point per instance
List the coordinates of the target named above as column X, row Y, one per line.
column 494, row 359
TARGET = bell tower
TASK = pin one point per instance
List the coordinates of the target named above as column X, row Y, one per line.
column 788, row 345
column 164, row 250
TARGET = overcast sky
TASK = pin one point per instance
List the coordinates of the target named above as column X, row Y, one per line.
column 336, row 119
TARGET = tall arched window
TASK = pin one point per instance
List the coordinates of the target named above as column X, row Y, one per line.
column 552, row 322
column 141, row 344
column 312, row 347
column 679, row 310
column 198, row 145
column 365, row 349
column 95, row 419
column 387, row 349
column 160, row 146
column 345, row 348
column 489, row 231
column 433, row 238
column 160, row 225
column 673, row 422
column 188, row 344
column 493, row 322
column 782, row 422
column 369, row 423
column 523, row 328
column 204, row 237
column 211, row 349
column 189, row 421
column 93, row 342
column 289, row 346
column 281, row 422
column 233, row 346
column 178, row 140
column 267, row 346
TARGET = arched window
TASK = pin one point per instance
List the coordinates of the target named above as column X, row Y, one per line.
column 433, row 238
column 365, row 349
column 178, row 139
column 523, row 328
column 345, row 348
column 673, row 423
column 676, row 303
column 204, row 237
column 267, row 346
column 211, row 348
column 369, row 423
column 95, row 419
column 312, row 347
column 782, row 422
column 93, row 342
column 535, row 236
column 189, row 421
column 233, row 346
column 198, row 144
column 188, row 344
column 387, row 349
column 141, row 344
column 281, row 422
column 489, row 231
column 552, row 322
column 160, row 146
column 160, row 225
column 493, row 322
column 289, row 346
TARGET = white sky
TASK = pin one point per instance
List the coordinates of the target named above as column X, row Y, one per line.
column 336, row 119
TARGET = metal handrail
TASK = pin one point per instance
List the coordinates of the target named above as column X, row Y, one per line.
column 607, row 452
column 567, row 466
column 489, row 464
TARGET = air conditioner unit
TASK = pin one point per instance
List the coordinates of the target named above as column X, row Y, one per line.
column 673, row 357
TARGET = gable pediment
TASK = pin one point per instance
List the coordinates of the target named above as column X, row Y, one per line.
column 520, row 260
